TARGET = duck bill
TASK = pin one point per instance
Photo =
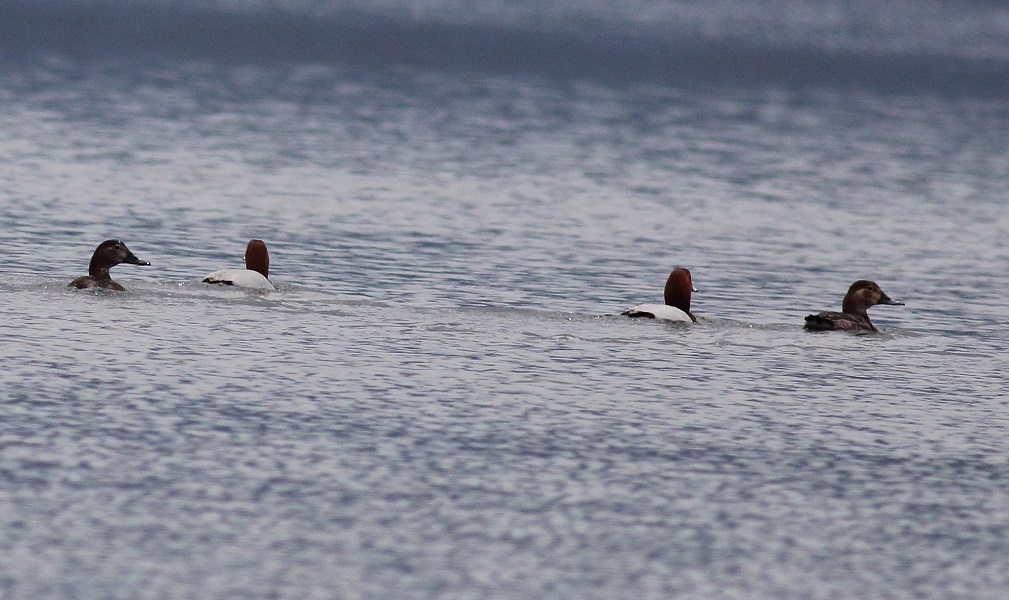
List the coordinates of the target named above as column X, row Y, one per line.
column 132, row 259
column 884, row 299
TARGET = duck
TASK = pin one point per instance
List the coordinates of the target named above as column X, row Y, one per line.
column 677, row 297
column 854, row 314
column 107, row 255
column 255, row 275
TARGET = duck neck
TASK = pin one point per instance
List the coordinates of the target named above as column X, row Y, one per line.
column 851, row 306
column 99, row 270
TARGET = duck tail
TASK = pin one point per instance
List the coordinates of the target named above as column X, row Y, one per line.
column 637, row 314
column 818, row 323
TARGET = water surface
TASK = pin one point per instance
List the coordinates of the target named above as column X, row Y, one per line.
column 440, row 400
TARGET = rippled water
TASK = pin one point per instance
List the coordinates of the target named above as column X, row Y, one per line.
column 440, row 401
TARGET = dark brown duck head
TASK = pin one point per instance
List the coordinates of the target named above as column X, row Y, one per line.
column 678, row 288
column 257, row 258
column 861, row 295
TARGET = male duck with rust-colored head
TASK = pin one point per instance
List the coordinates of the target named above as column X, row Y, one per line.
column 255, row 275
column 107, row 255
column 854, row 315
column 677, row 297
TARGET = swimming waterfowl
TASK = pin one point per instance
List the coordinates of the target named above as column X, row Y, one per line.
column 107, row 255
column 255, row 275
column 677, row 297
column 854, row 314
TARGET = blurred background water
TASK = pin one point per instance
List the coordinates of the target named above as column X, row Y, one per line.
column 459, row 198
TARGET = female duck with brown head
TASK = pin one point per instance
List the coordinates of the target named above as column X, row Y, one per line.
column 677, row 297
column 854, row 313
column 256, row 273
column 107, row 255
